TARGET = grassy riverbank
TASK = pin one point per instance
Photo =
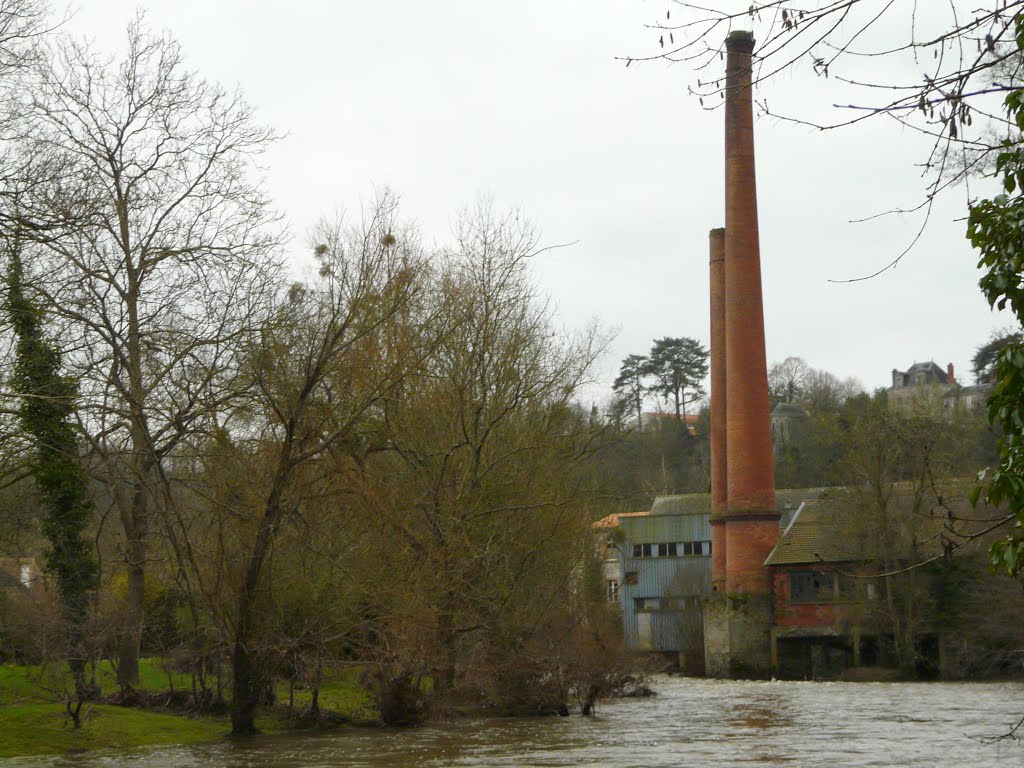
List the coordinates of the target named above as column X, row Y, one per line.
column 33, row 720
column 42, row 729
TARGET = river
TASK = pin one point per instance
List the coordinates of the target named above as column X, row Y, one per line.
column 689, row 723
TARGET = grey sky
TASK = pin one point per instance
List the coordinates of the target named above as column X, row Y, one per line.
column 444, row 101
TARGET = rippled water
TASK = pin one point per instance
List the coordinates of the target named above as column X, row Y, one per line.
column 690, row 723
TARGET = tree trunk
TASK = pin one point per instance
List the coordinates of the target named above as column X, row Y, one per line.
column 135, row 526
column 245, row 691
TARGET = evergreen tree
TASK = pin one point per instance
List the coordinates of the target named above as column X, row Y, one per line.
column 679, row 366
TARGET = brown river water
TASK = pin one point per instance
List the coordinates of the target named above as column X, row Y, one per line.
column 689, row 723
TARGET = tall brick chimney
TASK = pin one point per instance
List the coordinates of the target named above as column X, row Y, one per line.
column 752, row 527
column 949, row 374
column 738, row 619
column 719, row 476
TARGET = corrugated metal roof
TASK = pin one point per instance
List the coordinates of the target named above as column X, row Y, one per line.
column 652, row 529
column 683, row 504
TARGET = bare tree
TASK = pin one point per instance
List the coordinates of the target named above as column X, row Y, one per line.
column 159, row 242
column 23, row 23
column 324, row 360
column 787, row 380
column 478, row 486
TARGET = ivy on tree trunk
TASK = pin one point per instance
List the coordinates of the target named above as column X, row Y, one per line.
column 46, row 404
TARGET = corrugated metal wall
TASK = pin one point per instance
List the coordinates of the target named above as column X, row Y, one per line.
column 670, row 587
column 678, row 626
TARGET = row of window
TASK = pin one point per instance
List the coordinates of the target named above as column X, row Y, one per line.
column 804, row 587
column 655, row 603
column 690, row 603
column 824, row 587
column 672, row 549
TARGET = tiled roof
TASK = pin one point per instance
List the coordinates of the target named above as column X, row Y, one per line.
column 700, row 503
column 612, row 521
column 839, row 526
column 789, row 409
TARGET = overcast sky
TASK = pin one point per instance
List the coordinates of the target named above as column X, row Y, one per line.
column 525, row 102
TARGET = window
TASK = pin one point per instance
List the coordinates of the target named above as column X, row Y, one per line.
column 672, row 549
column 631, row 579
column 811, row 587
column 647, row 603
column 613, row 590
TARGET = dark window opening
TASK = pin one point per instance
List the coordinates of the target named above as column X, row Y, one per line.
column 672, row 549
column 811, row 587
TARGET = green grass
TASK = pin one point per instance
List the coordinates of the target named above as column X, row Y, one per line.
column 42, row 729
column 152, row 676
column 38, row 684
column 341, row 692
column 33, row 720
column 26, row 685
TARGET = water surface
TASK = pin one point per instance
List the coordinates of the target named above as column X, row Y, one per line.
column 690, row 723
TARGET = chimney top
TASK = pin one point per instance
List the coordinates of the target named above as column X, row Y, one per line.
column 740, row 40
column 717, row 238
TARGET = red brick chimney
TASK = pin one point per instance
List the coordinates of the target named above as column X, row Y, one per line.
column 752, row 520
column 949, row 374
column 719, row 475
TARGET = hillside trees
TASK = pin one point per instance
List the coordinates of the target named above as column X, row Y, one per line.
column 629, row 388
column 794, row 381
column 674, row 369
column 158, row 245
column 678, row 367
column 787, row 380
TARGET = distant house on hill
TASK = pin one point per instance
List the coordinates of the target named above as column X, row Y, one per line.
column 925, row 387
column 789, row 422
